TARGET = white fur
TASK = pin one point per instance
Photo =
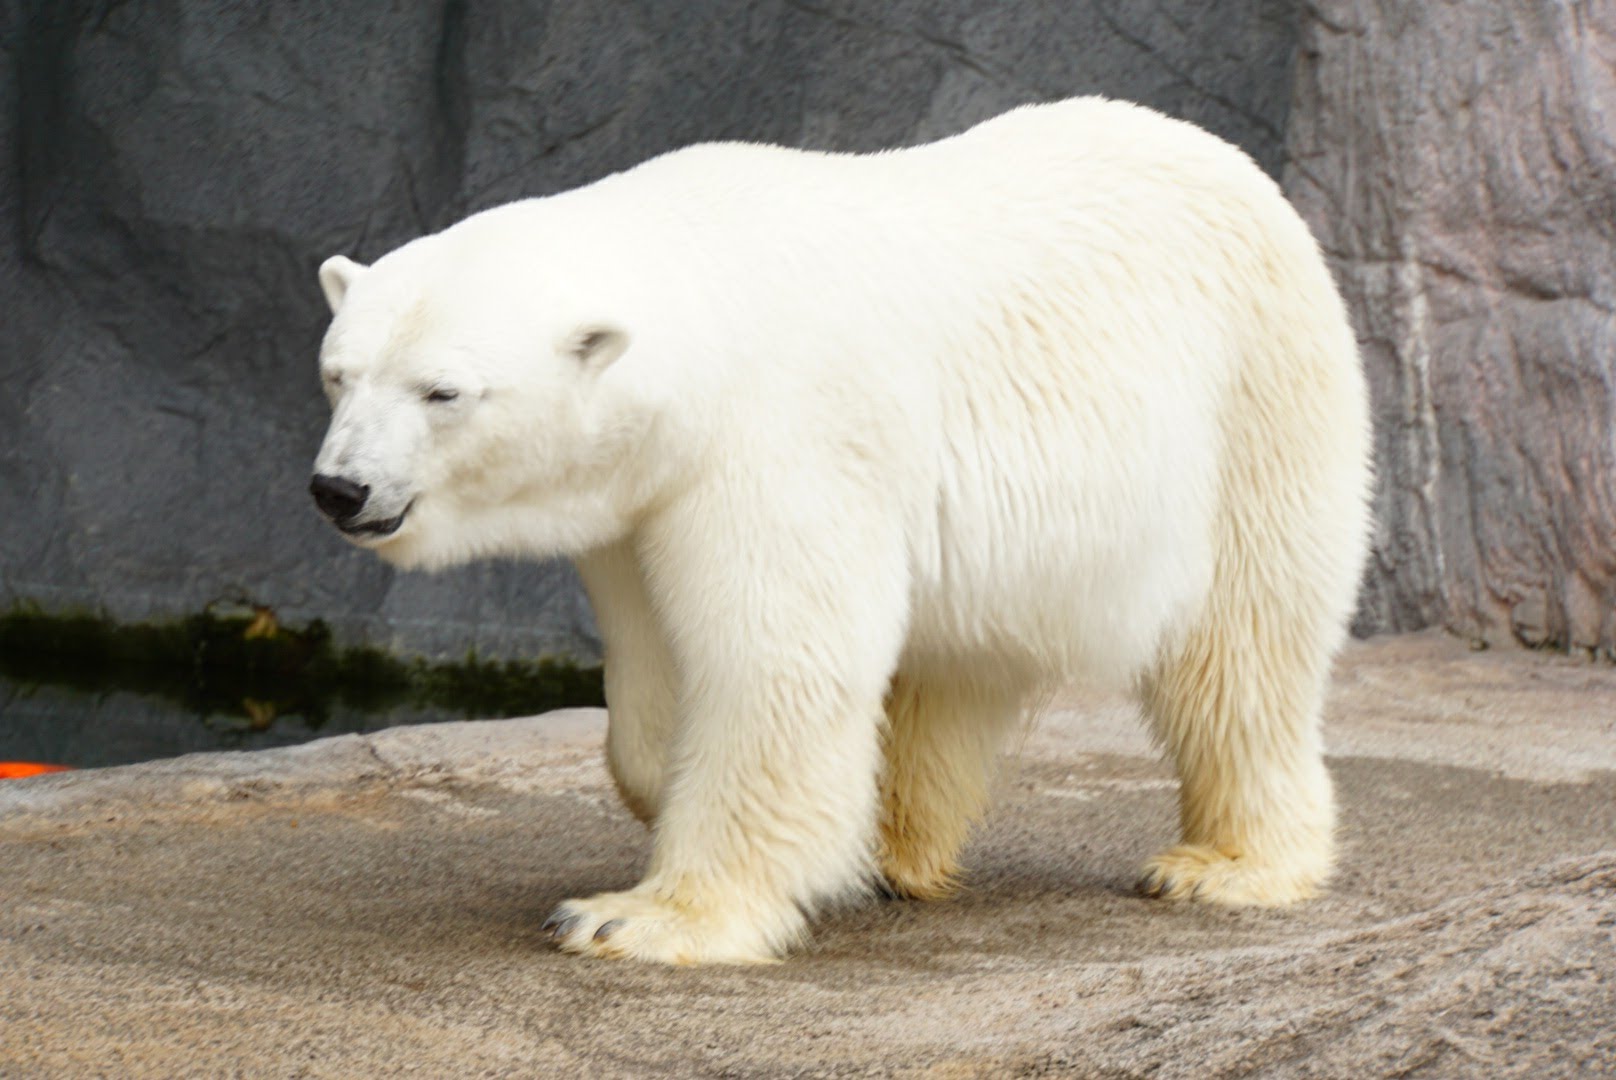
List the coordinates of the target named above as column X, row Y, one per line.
column 858, row 455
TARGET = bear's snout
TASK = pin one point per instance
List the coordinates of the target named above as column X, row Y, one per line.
column 338, row 499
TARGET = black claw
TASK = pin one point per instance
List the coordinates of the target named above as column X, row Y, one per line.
column 559, row 924
column 607, row 929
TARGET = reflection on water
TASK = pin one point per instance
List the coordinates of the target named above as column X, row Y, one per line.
column 74, row 727
column 78, row 689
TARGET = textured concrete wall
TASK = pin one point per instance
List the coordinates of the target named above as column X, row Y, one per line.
column 172, row 174
column 1458, row 163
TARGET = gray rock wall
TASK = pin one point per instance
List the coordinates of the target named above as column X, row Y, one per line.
column 173, row 173
column 1458, row 163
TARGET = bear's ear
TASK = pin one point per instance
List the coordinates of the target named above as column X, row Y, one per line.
column 596, row 346
column 336, row 274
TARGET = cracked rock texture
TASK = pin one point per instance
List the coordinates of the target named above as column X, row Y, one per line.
column 173, row 174
column 1458, row 163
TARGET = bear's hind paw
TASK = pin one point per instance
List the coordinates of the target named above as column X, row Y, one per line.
column 1206, row 875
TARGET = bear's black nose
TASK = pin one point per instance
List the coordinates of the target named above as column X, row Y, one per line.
column 338, row 499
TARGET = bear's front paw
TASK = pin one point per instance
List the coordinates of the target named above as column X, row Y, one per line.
column 648, row 924
column 1205, row 874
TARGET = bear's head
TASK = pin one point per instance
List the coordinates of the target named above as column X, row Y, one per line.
column 476, row 408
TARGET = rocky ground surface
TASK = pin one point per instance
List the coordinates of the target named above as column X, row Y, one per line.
column 371, row 906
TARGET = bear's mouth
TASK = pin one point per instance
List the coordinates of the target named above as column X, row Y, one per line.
column 377, row 528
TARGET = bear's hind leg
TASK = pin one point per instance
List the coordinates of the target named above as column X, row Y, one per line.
column 1241, row 719
column 940, row 747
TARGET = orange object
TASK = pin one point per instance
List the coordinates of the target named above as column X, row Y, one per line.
column 16, row 770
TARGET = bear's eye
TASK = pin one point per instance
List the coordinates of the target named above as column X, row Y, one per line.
column 440, row 395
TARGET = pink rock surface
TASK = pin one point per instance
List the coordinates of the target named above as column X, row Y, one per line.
column 1458, row 163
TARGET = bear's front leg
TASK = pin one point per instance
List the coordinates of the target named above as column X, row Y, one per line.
column 770, row 807
column 771, row 812
column 641, row 694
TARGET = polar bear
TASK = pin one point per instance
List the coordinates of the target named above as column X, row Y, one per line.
column 857, row 456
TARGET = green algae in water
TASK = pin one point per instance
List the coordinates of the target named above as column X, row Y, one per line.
column 252, row 667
